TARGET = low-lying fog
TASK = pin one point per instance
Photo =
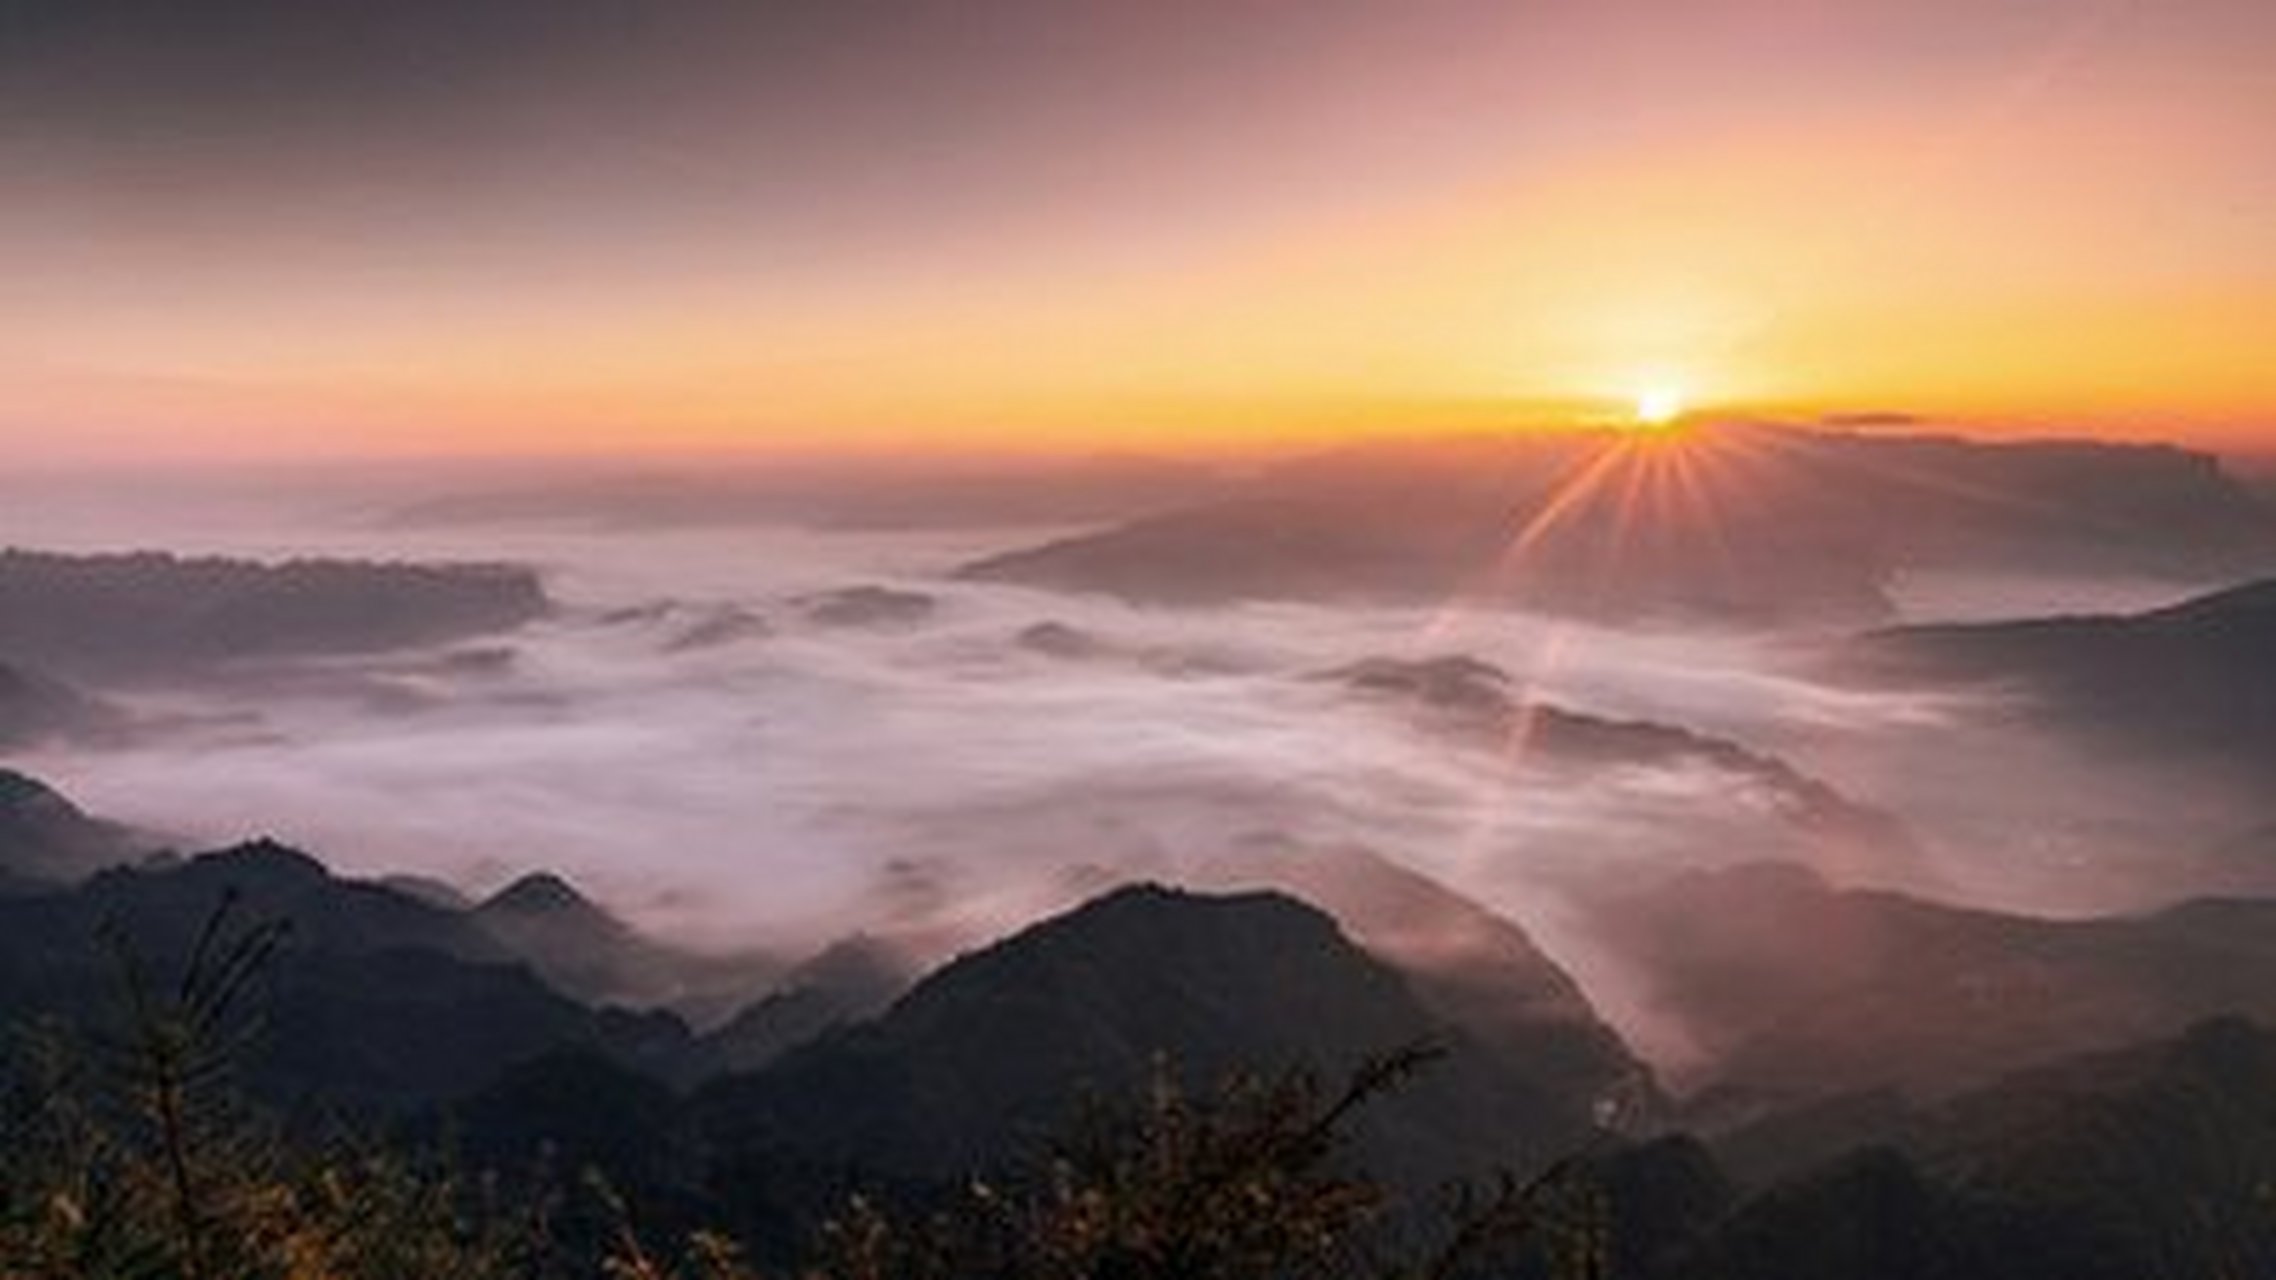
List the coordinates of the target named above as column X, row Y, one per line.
column 794, row 777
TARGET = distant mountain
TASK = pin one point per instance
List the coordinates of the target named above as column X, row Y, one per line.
column 1740, row 524
column 46, row 840
column 1797, row 989
column 154, row 615
column 1476, row 701
column 585, row 952
column 851, row 981
column 988, row 1055
column 2193, row 678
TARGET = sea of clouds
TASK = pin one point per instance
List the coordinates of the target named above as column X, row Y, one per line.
column 941, row 780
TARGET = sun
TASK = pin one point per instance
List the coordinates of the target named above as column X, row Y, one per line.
column 1659, row 406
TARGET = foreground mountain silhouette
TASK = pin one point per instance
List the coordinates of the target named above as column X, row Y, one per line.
column 986, row 1057
column 543, row 964
column 1745, row 524
column 2152, row 1159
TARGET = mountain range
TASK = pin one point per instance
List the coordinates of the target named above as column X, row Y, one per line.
column 1741, row 523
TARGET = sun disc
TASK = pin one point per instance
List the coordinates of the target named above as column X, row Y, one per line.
column 1658, row 406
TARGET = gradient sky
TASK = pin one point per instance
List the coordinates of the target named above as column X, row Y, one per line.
column 247, row 227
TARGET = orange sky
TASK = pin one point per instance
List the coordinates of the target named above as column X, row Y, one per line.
column 1067, row 226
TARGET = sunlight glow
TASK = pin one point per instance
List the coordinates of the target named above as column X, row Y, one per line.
column 1659, row 406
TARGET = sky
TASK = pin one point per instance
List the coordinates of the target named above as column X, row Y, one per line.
column 285, row 228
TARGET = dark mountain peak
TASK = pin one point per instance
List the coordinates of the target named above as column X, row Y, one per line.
column 1154, row 937
column 265, row 860
column 538, row 893
column 1171, row 928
